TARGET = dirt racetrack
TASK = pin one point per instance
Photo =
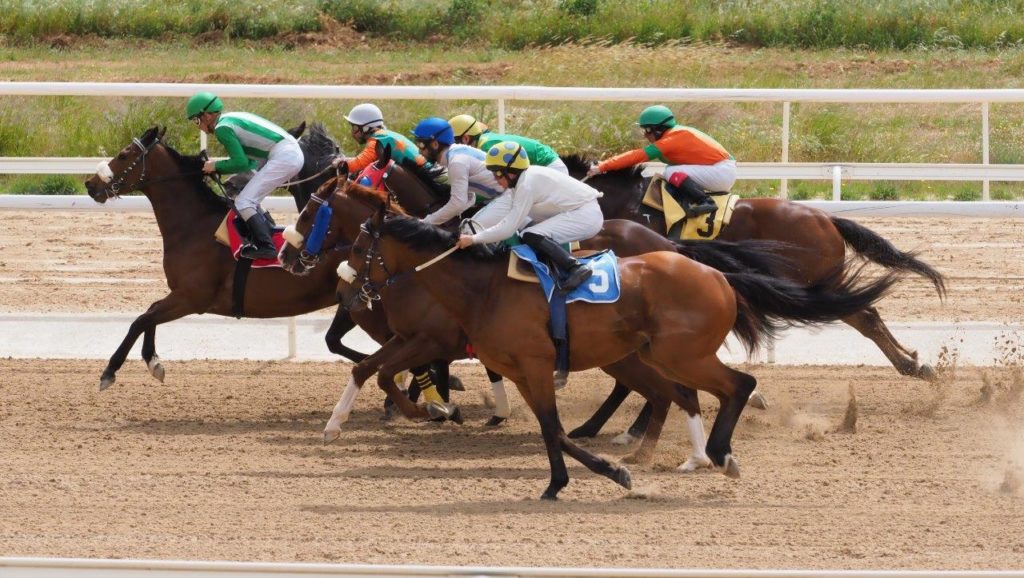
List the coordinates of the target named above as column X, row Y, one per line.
column 224, row 461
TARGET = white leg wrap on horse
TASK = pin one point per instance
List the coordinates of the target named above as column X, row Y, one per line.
column 698, row 456
column 501, row 407
column 344, row 406
column 624, row 439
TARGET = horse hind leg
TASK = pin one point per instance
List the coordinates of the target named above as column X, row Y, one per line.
column 695, row 427
column 156, row 369
column 869, row 323
column 653, row 416
column 593, row 426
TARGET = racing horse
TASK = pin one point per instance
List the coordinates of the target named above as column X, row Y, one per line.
column 199, row 270
column 679, row 336
column 424, row 331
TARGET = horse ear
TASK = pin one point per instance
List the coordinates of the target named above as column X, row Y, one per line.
column 161, row 132
column 383, row 156
column 297, row 131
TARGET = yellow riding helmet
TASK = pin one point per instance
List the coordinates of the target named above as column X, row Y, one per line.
column 507, row 156
column 466, row 124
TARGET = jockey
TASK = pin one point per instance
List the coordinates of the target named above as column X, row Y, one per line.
column 252, row 143
column 561, row 209
column 696, row 162
column 368, row 129
column 472, row 132
column 467, row 173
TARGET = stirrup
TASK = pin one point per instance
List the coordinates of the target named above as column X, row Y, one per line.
column 254, row 252
column 577, row 276
column 703, row 208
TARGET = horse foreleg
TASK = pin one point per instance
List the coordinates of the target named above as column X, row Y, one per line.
column 869, row 323
column 593, row 426
column 167, row 309
column 156, row 369
column 360, row 373
column 656, row 411
column 636, row 431
column 340, row 326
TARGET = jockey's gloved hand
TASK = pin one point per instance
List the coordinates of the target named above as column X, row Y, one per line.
column 340, row 164
column 593, row 171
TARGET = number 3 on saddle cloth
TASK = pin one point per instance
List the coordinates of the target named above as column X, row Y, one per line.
column 677, row 226
column 602, row 287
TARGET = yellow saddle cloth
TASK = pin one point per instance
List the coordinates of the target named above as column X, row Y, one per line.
column 677, row 226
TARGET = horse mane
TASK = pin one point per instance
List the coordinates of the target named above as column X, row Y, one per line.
column 577, row 164
column 317, row 144
column 374, row 197
column 422, row 235
column 192, row 167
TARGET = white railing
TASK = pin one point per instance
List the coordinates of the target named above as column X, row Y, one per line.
column 503, row 94
column 78, row 567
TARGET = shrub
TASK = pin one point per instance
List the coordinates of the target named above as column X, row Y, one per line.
column 46, row 185
column 884, row 192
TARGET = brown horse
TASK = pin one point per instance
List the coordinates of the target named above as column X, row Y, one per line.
column 425, row 331
column 199, row 270
column 818, row 243
column 680, row 337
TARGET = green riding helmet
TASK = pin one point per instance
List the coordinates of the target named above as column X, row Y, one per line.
column 203, row 102
column 657, row 116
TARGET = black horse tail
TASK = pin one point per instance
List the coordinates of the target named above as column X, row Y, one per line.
column 747, row 256
column 766, row 305
column 878, row 250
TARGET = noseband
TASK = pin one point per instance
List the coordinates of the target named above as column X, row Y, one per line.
column 116, row 182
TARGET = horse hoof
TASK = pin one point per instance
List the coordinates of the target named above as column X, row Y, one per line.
column 456, row 415
column 756, row 400
column 926, row 373
column 106, row 381
column 623, row 439
column 156, row 369
column 624, row 478
column 694, row 463
column 455, row 384
column 495, row 421
column 731, row 467
column 331, row 434
column 438, row 411
column 561, row 379
column 582, row 432
column 549, row 497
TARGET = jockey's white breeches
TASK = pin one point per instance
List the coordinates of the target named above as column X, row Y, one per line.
column 559, row 166
column 578, row 224
column 283, row 163
column 716, row 178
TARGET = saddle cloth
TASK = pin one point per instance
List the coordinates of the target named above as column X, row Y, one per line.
column 704, row 227
column 602, row 287
column 227, row 234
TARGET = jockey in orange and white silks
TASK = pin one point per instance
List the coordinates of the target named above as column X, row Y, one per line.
column 553, row 207
column 467, row 174
column 696, row 162
column 252, row 143
column 367, row 122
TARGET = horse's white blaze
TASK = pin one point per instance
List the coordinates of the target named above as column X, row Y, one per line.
column 103, row 172
column 346, row 273
column 624, row 439
column 293, row 237
column 698, row 457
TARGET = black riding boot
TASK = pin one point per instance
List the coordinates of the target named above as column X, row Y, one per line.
column 261, row 245
column 576, row 272
column 691, row 197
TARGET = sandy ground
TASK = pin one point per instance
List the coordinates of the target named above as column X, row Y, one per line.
column 225, row 462
column 77, row 262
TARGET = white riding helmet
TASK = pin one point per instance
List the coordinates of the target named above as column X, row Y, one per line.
column 365, row 116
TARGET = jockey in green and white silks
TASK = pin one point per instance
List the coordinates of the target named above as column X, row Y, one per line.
column 467, row 173
column 252, row 143
column 468, row 130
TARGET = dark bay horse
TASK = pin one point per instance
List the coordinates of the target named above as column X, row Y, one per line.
column 680, row 337
column 199, row 270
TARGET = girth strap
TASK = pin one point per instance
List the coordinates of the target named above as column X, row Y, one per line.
column 242, row 267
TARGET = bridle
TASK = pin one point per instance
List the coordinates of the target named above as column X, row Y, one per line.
column 368, row 290
column 116, row 182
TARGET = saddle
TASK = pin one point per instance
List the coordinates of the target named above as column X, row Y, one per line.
column 521, row 270
column 234, row 236
column 677, row 225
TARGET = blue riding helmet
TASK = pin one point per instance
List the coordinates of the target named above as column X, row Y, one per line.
column 434, row 128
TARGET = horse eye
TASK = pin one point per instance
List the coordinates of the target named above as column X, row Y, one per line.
column 122, row 156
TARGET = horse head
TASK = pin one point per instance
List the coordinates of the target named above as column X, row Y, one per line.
column 296, row 257
column 126, row 172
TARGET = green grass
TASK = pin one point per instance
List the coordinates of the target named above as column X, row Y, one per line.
column 802, row 24
column 94, row 126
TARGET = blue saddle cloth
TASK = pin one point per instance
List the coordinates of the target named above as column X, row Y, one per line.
column 602, row 287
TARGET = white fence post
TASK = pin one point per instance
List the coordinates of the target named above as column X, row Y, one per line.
column 837, row 183
column 985, row 193
column 501, row 116
column 293, row 348
column 784, row 183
